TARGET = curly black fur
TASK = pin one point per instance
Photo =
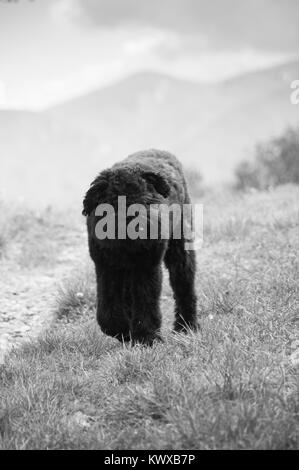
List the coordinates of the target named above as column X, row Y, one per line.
column 129, row 272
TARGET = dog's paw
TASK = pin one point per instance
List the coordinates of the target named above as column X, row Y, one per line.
column 147, row 340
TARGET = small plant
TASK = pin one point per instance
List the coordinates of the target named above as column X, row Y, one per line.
column 76, row 296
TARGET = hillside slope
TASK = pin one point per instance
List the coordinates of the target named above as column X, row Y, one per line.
column 234, row 385
column 51, row 156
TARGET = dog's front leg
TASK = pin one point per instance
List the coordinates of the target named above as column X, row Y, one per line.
column 111, row 303
column 146, row 315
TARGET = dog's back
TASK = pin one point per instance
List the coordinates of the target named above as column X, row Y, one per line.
column 152, row 159
column 161, row 162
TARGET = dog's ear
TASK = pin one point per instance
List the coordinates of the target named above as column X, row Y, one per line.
column 159, row 183
column 94, row 193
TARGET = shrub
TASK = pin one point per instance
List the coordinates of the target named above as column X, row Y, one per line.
column 276, row 162
column 195, row 182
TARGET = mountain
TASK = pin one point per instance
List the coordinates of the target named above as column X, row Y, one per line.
column 51, row 156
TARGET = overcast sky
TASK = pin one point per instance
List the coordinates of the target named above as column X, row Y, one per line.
column 51, row 50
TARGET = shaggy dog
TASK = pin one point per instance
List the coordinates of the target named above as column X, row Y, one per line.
column 129, row 272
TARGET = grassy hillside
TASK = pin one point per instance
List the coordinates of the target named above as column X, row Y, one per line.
column 234, row 385
column 62, row 148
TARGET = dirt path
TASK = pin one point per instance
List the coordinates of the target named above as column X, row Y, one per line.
column 28, row 295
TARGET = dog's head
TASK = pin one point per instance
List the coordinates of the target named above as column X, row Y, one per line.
column 140, row 186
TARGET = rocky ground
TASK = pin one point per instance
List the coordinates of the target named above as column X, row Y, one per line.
column 29, row 289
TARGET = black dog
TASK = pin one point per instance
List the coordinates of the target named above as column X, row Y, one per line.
column 129, row 274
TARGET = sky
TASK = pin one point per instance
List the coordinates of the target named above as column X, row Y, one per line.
column 52, row 50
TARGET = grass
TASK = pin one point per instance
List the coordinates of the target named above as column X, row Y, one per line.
column 76, row 297
column 234, row 385
column 31, row 238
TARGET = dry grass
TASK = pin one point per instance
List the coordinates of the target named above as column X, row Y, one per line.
column 31, row 238
column 234, row 385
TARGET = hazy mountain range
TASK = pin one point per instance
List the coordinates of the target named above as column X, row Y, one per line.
column 50, row 156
